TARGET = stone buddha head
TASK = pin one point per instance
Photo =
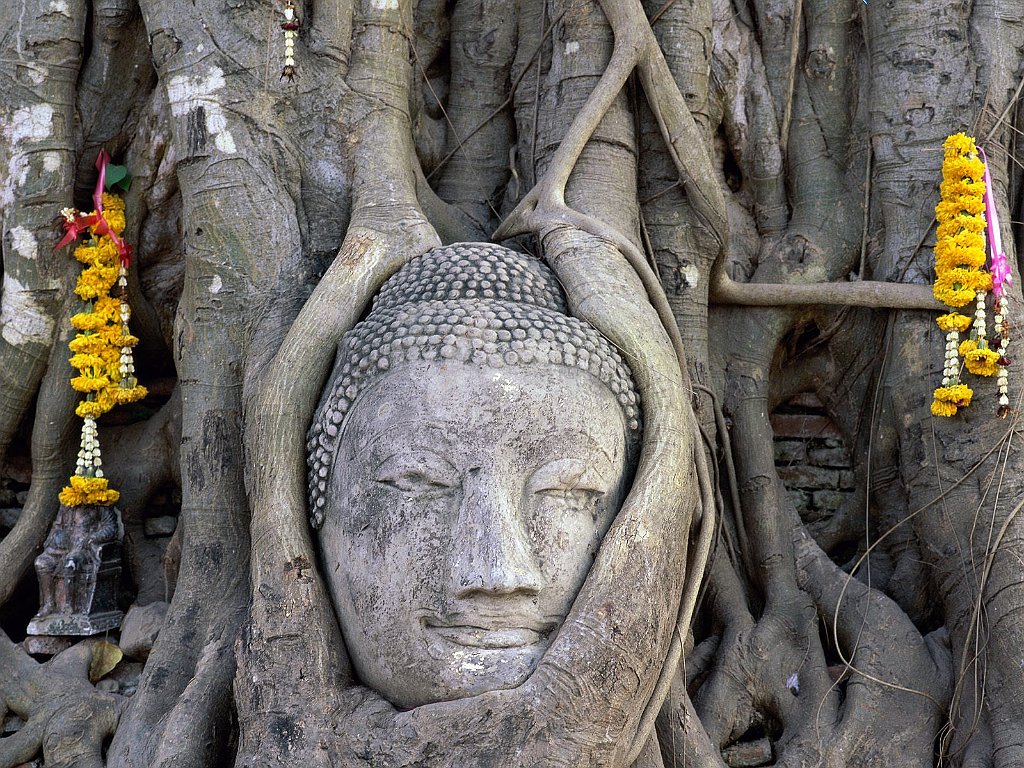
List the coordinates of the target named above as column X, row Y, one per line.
column 470, row 451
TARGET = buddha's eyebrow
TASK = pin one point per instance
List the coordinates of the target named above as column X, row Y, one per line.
column 580, row 441
column 434, row 428
column 591, row 443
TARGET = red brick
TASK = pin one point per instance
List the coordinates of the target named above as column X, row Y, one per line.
column 806, row 400
column 796, row 425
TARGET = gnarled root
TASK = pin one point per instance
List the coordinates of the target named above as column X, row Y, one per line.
column 65, row 716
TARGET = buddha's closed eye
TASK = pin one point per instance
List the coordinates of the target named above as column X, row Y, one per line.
column 570, row 493
column 417, row 474
column 568, row 478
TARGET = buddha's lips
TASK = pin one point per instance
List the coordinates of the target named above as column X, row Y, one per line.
column 487, row 637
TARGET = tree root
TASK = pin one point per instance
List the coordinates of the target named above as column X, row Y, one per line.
column 53, row 437
column 858, row 293
column 65, row 716
column 44, row 51
column 279, row 669
column 897, row 677
column 898, row 681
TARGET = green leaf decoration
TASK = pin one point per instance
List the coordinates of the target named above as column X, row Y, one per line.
column 118, row 177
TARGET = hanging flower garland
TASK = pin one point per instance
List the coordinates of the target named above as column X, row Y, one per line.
column 102, row 350
column 964, row 212
column 1001, row 279
column 290, row 25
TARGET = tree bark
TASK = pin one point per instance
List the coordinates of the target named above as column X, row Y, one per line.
column 717, row 185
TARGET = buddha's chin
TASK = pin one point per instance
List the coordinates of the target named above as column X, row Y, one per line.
column 457, row 663
column 484, row 664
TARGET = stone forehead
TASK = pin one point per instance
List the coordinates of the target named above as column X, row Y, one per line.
column 424, row 313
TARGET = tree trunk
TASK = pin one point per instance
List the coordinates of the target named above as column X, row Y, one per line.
column 762, row 175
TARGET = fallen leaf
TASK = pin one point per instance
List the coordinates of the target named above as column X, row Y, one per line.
column 105, row 657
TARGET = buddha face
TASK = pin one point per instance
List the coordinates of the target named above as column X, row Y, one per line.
column 465, row 508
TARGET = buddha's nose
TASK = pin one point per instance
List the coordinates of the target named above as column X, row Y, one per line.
column 492, row 553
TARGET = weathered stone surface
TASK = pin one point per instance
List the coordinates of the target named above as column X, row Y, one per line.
column 801, row 500
column 9, row 516
column 828, row 500
column 160, row 526
column 807, row 400
column 829, row 457
column 800, row 425
column 79, row 571
column 47, row 645
column 56, row 624
column 790, row 451
column 141, row 626
column 466, row 384
column 508, row 563
column 808, row 477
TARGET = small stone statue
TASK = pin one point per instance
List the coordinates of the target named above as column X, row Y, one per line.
column 79, row 571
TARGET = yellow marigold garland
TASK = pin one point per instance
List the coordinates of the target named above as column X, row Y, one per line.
column 102, row 350
column 959, row 275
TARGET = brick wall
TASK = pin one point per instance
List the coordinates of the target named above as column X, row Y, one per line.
column 811, row 458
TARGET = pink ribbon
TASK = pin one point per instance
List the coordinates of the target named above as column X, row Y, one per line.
column 78, row 223
column 1000, row 266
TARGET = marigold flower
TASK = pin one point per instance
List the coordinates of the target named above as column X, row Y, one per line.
column 112, row 202
column 87, row 343
column 83, row 361
column 90, row 383
column 953, row 296
column 953, row 321
column 129, row 394
column 115, row 220
column 951, row 255
column 96, row 282
column 89, row 409
column 963, row 192
column 960, row 244
column 963, row 168
column 117, row 339
column 941, row 408
column 87, row 321
column 956, row 394
column 85, row 491
column 982, row 362
column 959, row 143
column 952, row 224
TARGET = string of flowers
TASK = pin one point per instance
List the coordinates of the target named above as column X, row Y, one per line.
column 102, row 349
column 1001, row 278
column 959, row 274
